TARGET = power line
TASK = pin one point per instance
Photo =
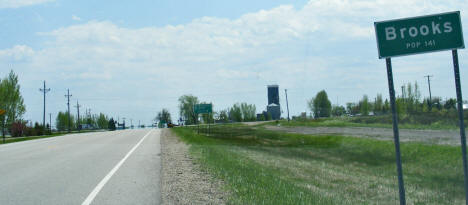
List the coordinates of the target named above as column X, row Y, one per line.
column 44, row 91
column 68, row 105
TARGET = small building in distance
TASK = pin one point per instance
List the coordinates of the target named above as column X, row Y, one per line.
column 274, row 111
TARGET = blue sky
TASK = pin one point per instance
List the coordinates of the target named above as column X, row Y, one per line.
column 131, row 59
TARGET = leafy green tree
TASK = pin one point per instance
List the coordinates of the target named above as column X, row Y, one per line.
column 364, row 105
column 263, row 118
column 338, row 110
column 235, row 113
column 102, row 121
column 91, row 119
column 400, row 105
column 11, row 101
column 111, row 125
column 186, row 104
column 378, row 104
column 450, row 104
column 412, row 98
column 62, row 121
column 248, row 112
column 386, row 107
column 352, row 108
column 437, row 103
column 164, row 117
column 223, row 116
column 426, row 105
column 320, row 105
column 39, row 129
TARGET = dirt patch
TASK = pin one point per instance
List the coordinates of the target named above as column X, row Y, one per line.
column 183, row 182
column 255, row 123
column 448, row 137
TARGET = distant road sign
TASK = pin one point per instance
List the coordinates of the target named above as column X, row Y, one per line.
column 419, row 34
column 203, row 108
column 2, row 112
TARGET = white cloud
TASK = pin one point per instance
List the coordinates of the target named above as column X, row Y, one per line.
column 21, row 3
column 76, row 18
column 17, row 53
column 327, row 44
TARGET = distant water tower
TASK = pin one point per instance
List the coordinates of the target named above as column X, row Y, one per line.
column 273, row 107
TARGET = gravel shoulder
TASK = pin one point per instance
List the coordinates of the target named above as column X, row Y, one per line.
column 182, row 179
column 445, row 137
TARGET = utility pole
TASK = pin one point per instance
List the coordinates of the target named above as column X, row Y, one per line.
column 430, row 94
column 131, row 123
column 287, row 105
column 68, row 105
column 78, row 110
column 44, row 91
column 50, row 123
column 403, row 91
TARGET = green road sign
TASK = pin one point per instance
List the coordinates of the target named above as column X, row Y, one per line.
column 419, row 34
column 203, row 108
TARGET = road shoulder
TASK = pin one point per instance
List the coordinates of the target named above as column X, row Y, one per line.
column 182, row 179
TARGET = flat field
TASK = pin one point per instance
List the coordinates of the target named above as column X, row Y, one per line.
column 263, row 166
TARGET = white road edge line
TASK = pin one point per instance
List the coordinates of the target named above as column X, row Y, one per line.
column 103, row 182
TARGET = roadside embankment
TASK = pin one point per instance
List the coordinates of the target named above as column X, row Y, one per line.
column 183, row 180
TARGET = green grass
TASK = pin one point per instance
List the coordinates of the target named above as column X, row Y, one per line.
column 20, row 139
column 266, row 167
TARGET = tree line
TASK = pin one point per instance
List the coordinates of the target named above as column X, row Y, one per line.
column 238, row 112
column 12, row 120
column 409, row 102
column 92, row 121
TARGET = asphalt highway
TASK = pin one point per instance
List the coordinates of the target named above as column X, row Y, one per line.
column 118, row 167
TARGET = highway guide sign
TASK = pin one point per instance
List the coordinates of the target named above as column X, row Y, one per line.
column 203, row 108
column 420, row 34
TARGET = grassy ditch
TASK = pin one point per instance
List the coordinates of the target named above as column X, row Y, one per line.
column 20, row 139
column 266, row 167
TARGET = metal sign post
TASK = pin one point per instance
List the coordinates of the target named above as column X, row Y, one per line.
column 460, row 117
column 396, row 134
column 417, row 35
